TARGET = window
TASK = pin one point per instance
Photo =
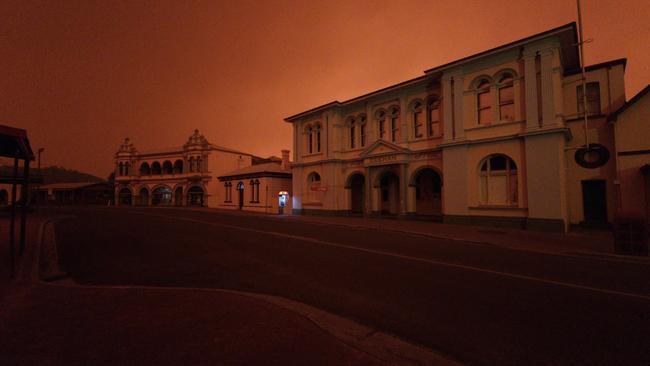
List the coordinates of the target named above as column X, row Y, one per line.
column 155, row 168
column 310, row 139
column 145, row 169
column 593, row 99
column 352, row 133
column 498, row 181
column 433, row 117
column 228, row 186
column 394, row 124
column 484, row 102
column 257, row 190
column 191, row 163
column 252, row 183
column 506, row 98
column 121, row 169
column 417, row 119
column 314, row 187
column 381, row 121
column 167, row 167
column 362, row 131
column 317, row 135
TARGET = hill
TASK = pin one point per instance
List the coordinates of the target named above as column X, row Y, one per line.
column 54, row 174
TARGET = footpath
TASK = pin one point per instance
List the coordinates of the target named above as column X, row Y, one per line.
column 579, row 242
column 62, row 323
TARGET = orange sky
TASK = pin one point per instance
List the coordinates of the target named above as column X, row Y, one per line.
column 81, row 76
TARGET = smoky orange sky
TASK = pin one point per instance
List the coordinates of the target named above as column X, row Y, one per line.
column 82, row 75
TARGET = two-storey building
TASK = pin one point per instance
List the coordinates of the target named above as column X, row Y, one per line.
column 178, row 176
column 494, row 138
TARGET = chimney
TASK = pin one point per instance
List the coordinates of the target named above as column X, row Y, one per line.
column 285, row 159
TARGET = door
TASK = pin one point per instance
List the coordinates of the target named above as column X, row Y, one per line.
column 241, row 198
column 594, row 200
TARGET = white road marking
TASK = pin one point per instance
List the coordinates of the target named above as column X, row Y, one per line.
column 407, row 257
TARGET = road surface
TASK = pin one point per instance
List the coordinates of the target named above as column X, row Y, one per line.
column 482, row 305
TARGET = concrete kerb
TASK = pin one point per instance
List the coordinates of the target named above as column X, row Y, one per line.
column 573, row 254
column 383, row 346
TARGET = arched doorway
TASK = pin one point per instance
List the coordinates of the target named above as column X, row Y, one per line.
column 389, row 193
column 161, row 196
column 178, row 196
column 428, row 192
column 240, row 190
column 125, row 197
column 195, row 196
column 144, row 196
column 357, row 185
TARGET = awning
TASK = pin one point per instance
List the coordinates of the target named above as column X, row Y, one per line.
column 14, row 143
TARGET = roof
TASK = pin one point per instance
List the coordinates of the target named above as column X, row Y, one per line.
column 266, row 169
column 614, row 116
column 180, row 149
column 570, row 55
column 618, row 61
column 69, row 185
column 14, row 143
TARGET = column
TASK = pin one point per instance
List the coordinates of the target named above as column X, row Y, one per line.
column 459, row 126
column 530, row 78
column 403, row 187
column 296, row 137
column 548, row 104
column 368, row 192
column 403, row 128
column 447, row 109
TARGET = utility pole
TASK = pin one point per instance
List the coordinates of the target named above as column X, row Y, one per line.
column 581, row 43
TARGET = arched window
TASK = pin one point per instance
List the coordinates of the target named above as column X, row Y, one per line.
column 310, row 139
column 317, row 136
column 145, row 169
column 190, row 162
column 352, row 133
column 381, row 124
column 433, row 117
column 127, row 167
column 178, row 167
column 121, row 169
column 252, row 183
column 167, row 167
column 394, row 124
column 418, row 123
column 484, row 102
column 155, row 168
column 257, row 190
column 362, row 130
column 506, row 98
column 498, row 181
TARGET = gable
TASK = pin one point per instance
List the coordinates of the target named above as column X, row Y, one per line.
column 381, row 147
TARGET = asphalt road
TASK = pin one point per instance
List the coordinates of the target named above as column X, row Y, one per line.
column 482, row 305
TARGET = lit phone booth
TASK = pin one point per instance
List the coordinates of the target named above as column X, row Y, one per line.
column 283, row 196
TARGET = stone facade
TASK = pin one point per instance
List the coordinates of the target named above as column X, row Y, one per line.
column 263, row 187
column 491, row 138
column 181, row 176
